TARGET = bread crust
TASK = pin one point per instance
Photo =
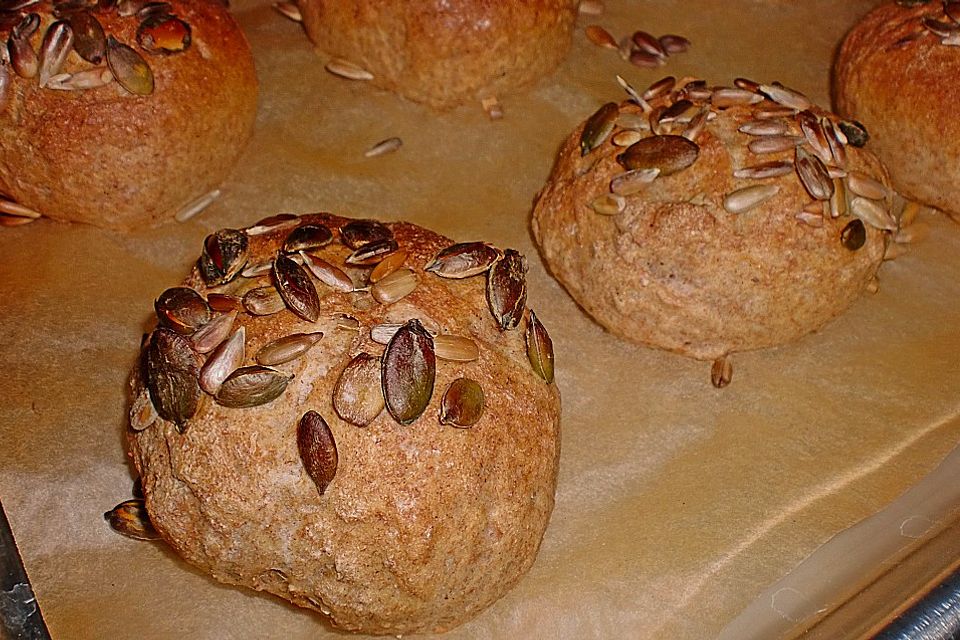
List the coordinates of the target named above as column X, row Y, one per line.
column 897, row 79
column 424, row 525
column 444, row 53
column 106, row 157
column 676, row 271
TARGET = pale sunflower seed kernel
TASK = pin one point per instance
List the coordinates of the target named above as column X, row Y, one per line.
column 209, row 337
column 382, row 333
column 287, row 348
column 786, row 96
column 263, row 301
column 608, row 204
column 347, row 69
column 872, row 213
column 863, row 185
column 456, row 348
column 633, row 182
column 747, row 198
column 223, row 361
column 388, row 265
column 328, row 274
column 771, row 169
column 395, row 286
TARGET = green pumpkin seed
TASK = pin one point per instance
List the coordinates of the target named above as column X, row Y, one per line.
column 598, row 127
column 539, row 348
column 507, row 289
column 252, row 386
column 318, row 450
column 462, row 404
column 854, row 235
column 129, row 68
column 408, row 372
column 358, row 394
column 296, row 288
column 130, row 518
column 169, row 368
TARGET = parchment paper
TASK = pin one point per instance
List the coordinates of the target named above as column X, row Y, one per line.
column 677, row 505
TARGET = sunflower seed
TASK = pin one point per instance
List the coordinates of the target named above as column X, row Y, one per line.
column 408, row 372
column 307, row 237
column 456, row 348
column 383, row 333
column 837, row 152
column 680, row 111
column 854, row 235
column 251, row 387
column 763, row 170
column 462, row 404
column 358, row 233
column 129, row 68
column 23, row 58
column 598, row 127
column 383, row 147
column 590, row 7
column 224, row 256
column 765, row 127
column 395, row 286
column 636, row 97
column 347, row 323
column 182, row 309
column 170, row 370
column 855, row 132
column 327, row 273
column 743, row 200
column 810, row 219
column 224, row 360
column 696, row 90
column 317, row 449
column 296, row 288
column 668, row 153
column 721, row 372
column 773, row 144
column 786, row 96
column 725, row 97
column 747, row 85
column 11, row 208
column 347, row 69
column 358, row 394
column 773, row 111
column 289, row 10
column 142, row 413
column 645, row 60
column 873, row 214
column 939, row 27
column 89, row 40
column 286, row 348
column 632, row 182
column 372, row 253
column 601, row 37
column 873, row 285
column 209, row 337
column 813, row 175
column 626, row 137
column 263, row 301
column 814, row 134
column 5, row 90
column 81, row 80
column 129, row 518
column 539, row 348
column 57, row 44
column 673, row 44
column 388, row 265
column 660, row 88
column 257, row 270
column 14, row 221
column 609, row 204
column 648, row 44
column 507, row 289
column 196, row 205
column 838, row 201
column 271, row 223
column 27, row 26
column 697, row 124
column 863, row 185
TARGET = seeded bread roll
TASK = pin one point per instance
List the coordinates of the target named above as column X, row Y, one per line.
column 723, row 230
column 444, row 53
column 894, row 73
column 120, row 114
column 397, row 488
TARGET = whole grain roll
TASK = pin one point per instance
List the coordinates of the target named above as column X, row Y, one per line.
column 895, row 73
column 740, row 221
column 120, row 114
column 444, row 53
column 396, row 473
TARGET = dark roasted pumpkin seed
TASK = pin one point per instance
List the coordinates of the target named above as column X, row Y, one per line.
column 169, row 369
column 507, row 289
column 668, row 153
column 408, row 372
column 89, row 40
column 224, row 256
column 307, row 237
column 130, row 519
column 358, row 233
column 464, row 260
column 855, row 132
column 318, row 450
column 252, row 386
column 854, row 235
column 296, row 288
column 598, row 127
column 182, row 309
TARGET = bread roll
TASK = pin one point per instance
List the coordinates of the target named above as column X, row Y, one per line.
column 119, row 114
column 397, row 488
column 719, row 230
column 895, row 73
column 444, row 53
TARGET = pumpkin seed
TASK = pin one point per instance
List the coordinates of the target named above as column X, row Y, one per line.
column 129, row 68
column 358, row 394
column 668, row 153
column 208, row 337
column 632, row 182
column 372, row 253
column 54, row 49
column 747, row 198
column 873, row 214
column 169, row 368
column 130, row 518
column 721, row 372
column 163, row 34
column 252, row 386
column 462, row 404
column 182, row 309
column 287, row 348
column 660, row 88
column 463, row 260
column 23, row 58
column 89, row 40
column 598, row 127
column 395, row 286
column 296, row 288
column 673, row 44
column 223, row 361
column 539, row 348
column 358, row 233
column 507, row 289
column 645, row 60
column 388, row 265
column 854, row 235
column 408, row 372
column 456, row 348
column 318, row 450
column 855, row 132
column 813, row 175
column 609, row 204
column 224, row 256
column 263, row 301
column 307, row 237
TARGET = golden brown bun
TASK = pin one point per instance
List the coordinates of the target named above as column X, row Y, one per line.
column 114, row 159
column 675, row 269
column 422, row 526
column 444, row 53
column 896, row 77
